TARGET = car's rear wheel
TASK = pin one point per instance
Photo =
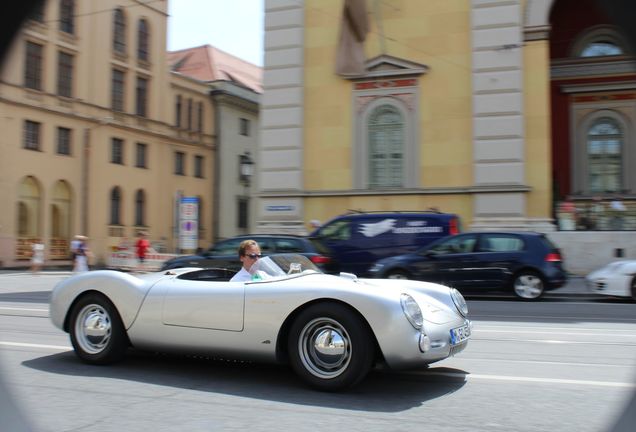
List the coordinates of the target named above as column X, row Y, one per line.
column 397, row 274
column 330, row 347
column 528, row 285
column 634, row 289
column 97, row 332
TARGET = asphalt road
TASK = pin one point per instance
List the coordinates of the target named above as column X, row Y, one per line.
column 565, row 363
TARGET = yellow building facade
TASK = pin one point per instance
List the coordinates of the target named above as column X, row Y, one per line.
column 449, row 110
column 99, row 138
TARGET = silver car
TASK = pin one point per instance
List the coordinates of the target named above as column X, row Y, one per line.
column 331, row 329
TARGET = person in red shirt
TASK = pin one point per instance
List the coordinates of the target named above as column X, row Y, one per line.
column 141, row 249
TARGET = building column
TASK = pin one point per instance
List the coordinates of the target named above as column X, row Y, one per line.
column 280, row 184
column 499, row 119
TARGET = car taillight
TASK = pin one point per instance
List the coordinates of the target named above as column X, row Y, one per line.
column 320, row 259
column 553, row 257
column 453, row 227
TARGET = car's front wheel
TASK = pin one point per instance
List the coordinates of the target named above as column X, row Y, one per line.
column 330, row 347
column 634, row 288
column 528, row 285
column 97, row 332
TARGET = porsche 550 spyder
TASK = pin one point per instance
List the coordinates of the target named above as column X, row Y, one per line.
column 331, row 329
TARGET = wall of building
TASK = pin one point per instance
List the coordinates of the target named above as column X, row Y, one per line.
column 94, row 124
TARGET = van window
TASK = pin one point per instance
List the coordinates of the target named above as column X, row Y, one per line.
column 339, row 230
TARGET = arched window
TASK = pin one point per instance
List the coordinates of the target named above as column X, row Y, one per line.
column 29, row 210
column 119, row 32
column 67, row 16
column 60, row 220
column 29, row 213
column 140, row 208
column 600, row 41
column 386, row 147
column 604, row 156
column 601, row 48
column 142, row 40
column 115, row 206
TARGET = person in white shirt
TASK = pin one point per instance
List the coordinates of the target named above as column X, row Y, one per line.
column 249, row 251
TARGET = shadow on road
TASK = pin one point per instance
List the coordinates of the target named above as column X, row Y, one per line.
column 382, row 391
column 26, row 297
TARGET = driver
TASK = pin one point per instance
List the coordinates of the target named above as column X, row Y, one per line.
column 249, row 251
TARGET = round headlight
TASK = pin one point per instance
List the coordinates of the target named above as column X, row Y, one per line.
column 412, row 311
column 460, row 302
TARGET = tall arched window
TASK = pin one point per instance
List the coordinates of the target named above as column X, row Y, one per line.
column 604, row 156
column 60, row 220
column 140, row 208
column 29, row 213
column 142, row 40
column 115, row 206
column 386, row 147
column 119, row 32
column 67, row 16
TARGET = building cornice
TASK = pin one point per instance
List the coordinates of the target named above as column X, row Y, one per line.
column 577, row 69
column 601, row 87
column 411, row 191
column 116, row 120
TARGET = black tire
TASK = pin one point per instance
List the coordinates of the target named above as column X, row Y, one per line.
column 634, row 289
column 97, row 332
column 528, row 285
column 397, row 274
column 347, row 347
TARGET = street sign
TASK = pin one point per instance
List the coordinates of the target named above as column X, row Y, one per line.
column 189, row 223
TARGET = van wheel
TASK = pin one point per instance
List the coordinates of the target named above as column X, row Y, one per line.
column 397, row 274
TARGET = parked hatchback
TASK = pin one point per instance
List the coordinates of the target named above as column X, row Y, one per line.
column 224, row 254
column 527, row 263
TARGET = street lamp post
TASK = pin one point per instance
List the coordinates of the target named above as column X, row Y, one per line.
column 246, row 171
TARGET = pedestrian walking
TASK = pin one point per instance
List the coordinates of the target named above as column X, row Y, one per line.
column 37, row 256
column 141, row 249
column 82, row 253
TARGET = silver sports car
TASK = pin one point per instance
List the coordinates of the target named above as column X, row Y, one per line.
column 617, row 278
column 331, row 329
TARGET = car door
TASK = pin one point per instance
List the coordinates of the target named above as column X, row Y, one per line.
column 449, row 261
column 204, row 304
column 498, row 256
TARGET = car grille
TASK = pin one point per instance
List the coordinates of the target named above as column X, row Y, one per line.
column 599, row 285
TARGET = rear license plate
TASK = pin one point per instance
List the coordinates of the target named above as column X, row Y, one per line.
column 460, row 334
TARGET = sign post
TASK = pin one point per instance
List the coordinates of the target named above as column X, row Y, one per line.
column 189, row 223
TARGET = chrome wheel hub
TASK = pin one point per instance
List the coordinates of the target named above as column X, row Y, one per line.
column 325, row 348
column 93, row 328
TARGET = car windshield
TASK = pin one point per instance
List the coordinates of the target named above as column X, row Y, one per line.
column 281, row 265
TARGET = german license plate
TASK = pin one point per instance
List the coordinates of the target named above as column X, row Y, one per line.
column 460, row 334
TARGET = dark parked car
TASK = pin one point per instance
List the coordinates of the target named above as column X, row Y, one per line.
column 527, row 263
column 224, row 254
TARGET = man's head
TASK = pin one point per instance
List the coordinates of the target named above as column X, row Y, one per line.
column 249, row 252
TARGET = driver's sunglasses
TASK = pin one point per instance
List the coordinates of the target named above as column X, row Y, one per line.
column 254, row 256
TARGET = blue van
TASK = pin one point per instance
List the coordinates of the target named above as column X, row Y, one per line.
column 357, row 240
